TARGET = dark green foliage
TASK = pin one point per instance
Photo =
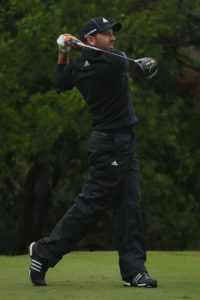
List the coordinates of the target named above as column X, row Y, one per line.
column 43, row 134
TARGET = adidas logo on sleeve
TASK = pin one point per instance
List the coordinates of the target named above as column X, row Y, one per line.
column 86, row 64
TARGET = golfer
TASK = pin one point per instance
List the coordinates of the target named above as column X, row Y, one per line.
column 113, row 176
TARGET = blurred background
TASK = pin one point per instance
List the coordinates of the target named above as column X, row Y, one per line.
column 43, row 134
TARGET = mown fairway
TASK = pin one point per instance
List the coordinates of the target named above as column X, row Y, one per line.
column 95, row 275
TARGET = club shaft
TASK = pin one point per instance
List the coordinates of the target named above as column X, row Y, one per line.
column 101, row 50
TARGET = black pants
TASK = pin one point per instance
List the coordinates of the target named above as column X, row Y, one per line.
column 113, row 181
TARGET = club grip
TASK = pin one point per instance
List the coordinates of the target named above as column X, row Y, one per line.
column 73, row 42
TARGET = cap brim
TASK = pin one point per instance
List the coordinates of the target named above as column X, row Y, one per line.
column 115, row 27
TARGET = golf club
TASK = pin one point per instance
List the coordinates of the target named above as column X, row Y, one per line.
column 148, row 65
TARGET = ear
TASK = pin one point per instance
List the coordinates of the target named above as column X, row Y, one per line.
column 90, row 40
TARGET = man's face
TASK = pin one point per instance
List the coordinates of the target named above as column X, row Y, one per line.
column 104, row 40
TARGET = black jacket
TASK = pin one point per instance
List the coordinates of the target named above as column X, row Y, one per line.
column 101, row 78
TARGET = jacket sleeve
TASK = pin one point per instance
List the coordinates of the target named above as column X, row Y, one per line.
column 64, row 80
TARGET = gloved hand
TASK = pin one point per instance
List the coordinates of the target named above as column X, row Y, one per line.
column 148, row 66
column 61, row 44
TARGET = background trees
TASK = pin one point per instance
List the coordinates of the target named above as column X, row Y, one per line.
column 43, row 134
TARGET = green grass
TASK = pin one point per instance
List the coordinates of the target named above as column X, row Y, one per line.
column 95, row 276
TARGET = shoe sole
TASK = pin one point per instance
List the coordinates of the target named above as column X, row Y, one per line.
column 128, row 284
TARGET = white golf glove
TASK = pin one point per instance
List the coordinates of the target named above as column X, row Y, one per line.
column 61, row 45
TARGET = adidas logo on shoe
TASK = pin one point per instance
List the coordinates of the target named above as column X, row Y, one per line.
column 141, row 280
column 36, row 265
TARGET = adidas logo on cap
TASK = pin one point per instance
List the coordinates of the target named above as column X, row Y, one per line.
column 105, row 21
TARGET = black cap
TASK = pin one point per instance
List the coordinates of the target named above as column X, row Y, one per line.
column 98, row 25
